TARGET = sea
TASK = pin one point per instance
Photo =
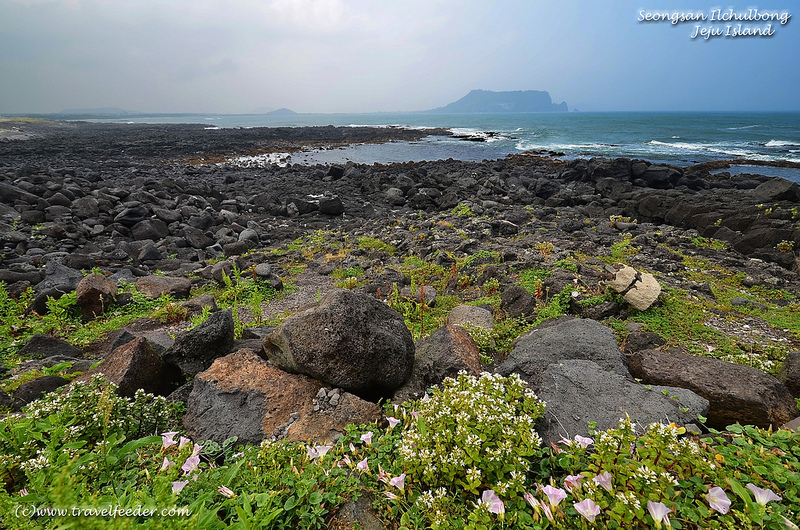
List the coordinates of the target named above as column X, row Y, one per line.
column 679, row 138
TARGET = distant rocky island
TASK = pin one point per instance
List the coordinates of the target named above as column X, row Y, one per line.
column 487, row 101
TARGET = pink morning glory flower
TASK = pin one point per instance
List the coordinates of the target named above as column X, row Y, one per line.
column 178, row 485
column 554, row 495
column 166, row 464
column 588, row 509
column 196, row 450
column 318, row 451
column 191, row 464
column 389, row 495
column 363, row 466
column 183, row 443
column 763, row 496
column 533, row 501
column 367, row 438
column 168, row 439
column 583, row 441
column 604, row 481
column 492, row 502
column 718, row 500
column 226, row 492
column 398, row 482
column 572, row 481
column 393, row 422
column 659, row 512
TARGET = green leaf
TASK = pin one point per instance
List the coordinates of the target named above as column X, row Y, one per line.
column 422, row 425
column 290, row 503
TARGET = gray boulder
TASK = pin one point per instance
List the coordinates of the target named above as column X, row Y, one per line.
column 154, row 286
column 470, row 315
column 33, row 390
column 135, row 366
column 95, row 293
column 447, row 351
column 571, row 339
column 790, row 373
column 737, row 393
column 516, row 301
column 777, row 189
column 579, row 391
column 195, row 350
column 348, row 340
column 41, row 346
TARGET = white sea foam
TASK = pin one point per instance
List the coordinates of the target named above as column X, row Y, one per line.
column 781, row 143
column 267, row 159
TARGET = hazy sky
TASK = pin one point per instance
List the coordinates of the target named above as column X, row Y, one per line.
column 234, row 56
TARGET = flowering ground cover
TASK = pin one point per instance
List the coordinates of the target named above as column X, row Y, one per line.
column 465, row 456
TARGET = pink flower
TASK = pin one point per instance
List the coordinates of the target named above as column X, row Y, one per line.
column 196, row 450
column 191, row 464
column 346, row 461
column 367, row 438
column 414, row 414
column 554, row 495
column 363, row 466
column 393, row 422
column 604, row 481
column 352, row 448
column 492, row 502
column 763, row 496
column 226, row 492
column 318, row 451
column 790, row 524
column 659, row 512
column 168, row 439
column 588, row 509
column 390, row 495
column 183, row 443
column 572, row 481
column 583, row 441
column 718, row 500
column 178, row 485
column 23, row 492
column 533, row 501
column 398, row 482
column 166, row 464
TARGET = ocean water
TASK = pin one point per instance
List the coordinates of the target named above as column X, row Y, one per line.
column 674, row 137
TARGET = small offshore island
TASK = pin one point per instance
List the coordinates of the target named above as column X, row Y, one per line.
column 284, row 307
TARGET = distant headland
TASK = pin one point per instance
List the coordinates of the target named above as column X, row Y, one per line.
column 487, row 101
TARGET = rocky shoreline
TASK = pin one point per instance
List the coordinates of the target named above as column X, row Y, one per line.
column 159, row 205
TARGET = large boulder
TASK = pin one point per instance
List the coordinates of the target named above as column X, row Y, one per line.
column 582, row 339
column 154, row 286
column 578, row 391
column 41, row 346
column 195, row 350
column 447, row 351
column 777, row 189
column 737, row 393
column 94, row 295
column 470, row 315
column 135, row 366
column 242, row 395
column 33, row 390
column 640, row 289
column 348, row 340
column 516, row 301
column 790, row 373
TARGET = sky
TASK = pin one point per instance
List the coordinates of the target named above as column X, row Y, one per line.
column 351, row 56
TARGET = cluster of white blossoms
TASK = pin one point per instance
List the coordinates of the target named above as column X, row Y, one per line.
column 475, row 430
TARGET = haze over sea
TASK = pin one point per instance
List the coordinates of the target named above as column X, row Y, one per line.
column 673, row 137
